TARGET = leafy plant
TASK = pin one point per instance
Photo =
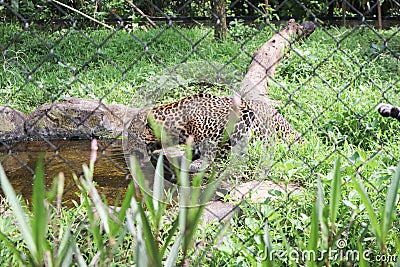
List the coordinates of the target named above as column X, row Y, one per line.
column 184, row 224
column 34, row 225
column 324, row 233
column 239, row 31
column 324, row 217
column 381, row 224
column 141, row 214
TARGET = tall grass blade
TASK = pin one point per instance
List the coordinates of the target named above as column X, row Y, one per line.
column 362, row 262
column 145, row 242
column 158, row 186
column 78, row 256
column 134, row 225
column 19, row 212
column 268, row 246
column 169, row 237
column 125, row 204
column 192, row 203
column 314, row 234
column 93, row 226
column 102, row 211
column 335, row 195
column 39, row 220
column 174, row 252
column 140, row 251
column 149, row 240
column 140, row 179
column 65, row 251
column 184, row 200
column 359, row 186
column 391, row 206
column 192, row 223
column 10, row 245
column 322, row 219
column 199, row 201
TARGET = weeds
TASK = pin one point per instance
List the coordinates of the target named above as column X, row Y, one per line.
column 141, row 217
column 328, row 88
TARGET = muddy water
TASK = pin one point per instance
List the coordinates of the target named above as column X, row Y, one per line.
column 111, row 173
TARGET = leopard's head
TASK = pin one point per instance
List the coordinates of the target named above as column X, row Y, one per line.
column 136, row 136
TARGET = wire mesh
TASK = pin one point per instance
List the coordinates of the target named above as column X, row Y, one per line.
column 73, row 71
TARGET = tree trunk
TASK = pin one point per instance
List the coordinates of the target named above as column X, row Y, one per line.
column 331, row 8
column 219, row 15
column 344, row 8
column 379, row 15
column 266, row 9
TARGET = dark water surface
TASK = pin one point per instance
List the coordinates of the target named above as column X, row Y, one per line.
column 111, row 173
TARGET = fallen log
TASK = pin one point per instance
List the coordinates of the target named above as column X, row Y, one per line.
column 254, row 85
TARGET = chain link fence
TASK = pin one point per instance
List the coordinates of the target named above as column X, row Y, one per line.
column 76, row 71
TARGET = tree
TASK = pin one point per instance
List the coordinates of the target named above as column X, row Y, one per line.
column 219, row 14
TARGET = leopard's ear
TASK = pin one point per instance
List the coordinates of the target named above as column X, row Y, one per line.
column 143, row 116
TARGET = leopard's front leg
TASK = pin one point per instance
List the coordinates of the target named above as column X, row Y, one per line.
column 204, row 155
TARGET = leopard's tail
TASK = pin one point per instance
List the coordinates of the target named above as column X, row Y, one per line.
column 387, row 110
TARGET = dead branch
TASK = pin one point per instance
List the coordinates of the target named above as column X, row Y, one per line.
column 142, row 13
column 82, row 14
column 266, row 59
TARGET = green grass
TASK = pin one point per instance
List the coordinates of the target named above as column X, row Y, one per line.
column 328, row 88
column 100, row 64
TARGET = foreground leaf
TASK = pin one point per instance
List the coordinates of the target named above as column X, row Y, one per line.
column 335, row 194
column 39, row 219
column 358, row 184
column 19, row 212
column 143, row 221
column 390, row 206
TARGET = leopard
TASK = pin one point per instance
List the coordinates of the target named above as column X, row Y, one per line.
column 214, row 124
column 387, row 110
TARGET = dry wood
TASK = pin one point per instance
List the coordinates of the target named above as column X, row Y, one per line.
column 379, row 15
column 142, row 13
column 266, row 59
column 82, row 14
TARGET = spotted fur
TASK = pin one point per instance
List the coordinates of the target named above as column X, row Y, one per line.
column 208, row 119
